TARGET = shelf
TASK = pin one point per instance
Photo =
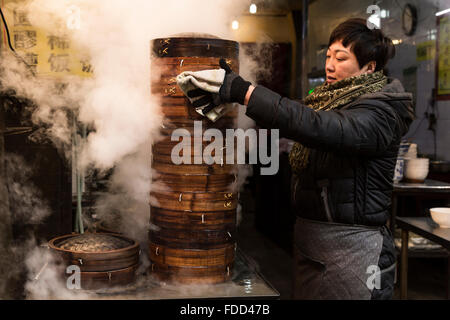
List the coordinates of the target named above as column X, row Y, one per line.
column 425, row 253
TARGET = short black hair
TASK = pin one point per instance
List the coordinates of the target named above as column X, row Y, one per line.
column 367, row 44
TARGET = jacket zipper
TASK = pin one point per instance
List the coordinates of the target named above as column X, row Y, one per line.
column 324, row 195
column 324, row 185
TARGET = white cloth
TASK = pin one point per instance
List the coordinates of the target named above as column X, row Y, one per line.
column 208, row 80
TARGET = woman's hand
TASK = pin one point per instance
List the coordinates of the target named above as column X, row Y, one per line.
column 234, row 88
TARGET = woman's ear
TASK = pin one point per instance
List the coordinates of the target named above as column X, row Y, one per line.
column 371, row 66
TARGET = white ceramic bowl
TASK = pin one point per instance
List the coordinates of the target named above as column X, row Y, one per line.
column 418, row 161
column 416, row 170
column 414, row 166
column 441, row 216
column 410, row 155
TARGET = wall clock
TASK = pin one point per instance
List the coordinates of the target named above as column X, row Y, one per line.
column 409, row 19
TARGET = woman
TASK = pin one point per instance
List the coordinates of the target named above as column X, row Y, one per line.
column 348, row 133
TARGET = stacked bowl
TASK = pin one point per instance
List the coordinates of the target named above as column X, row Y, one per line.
column 416, row 169
column 441, row 216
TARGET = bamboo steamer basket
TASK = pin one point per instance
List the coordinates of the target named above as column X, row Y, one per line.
column 176, row 123
column 194, row 202
column 192, row 266
column 169, row 168
column 192, row 239
column 192, row 206
column 101, row 269
column 195, row 220
column 197, row 182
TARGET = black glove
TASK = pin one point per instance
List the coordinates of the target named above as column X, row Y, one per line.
column 208, row 100
column 233, row 89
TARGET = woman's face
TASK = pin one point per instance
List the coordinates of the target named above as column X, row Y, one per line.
column 341, row 63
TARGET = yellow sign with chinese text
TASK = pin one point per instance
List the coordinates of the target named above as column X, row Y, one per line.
column 444, row 57
column 45, row 53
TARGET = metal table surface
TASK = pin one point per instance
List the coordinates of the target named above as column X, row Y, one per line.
column 246, row 283
column 430, row 188
column 428, row 229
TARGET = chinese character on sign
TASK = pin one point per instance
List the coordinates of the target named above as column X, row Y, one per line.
column 20, row 18
column 86, row 66
column 59, row 62
column 31, row 58
column 58, row 42
column 25, row 39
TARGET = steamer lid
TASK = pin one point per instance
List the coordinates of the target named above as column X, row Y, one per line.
column 194, row 45
column 194, row 35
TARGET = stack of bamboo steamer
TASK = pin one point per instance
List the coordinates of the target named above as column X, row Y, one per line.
column 104, row 259
column 192, row 206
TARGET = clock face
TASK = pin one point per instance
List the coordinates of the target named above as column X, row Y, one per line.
column 409, row 20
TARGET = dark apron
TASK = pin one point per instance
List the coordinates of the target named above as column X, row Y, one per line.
column 336, row 261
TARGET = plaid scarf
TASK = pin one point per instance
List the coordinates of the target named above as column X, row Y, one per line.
column 334, row 96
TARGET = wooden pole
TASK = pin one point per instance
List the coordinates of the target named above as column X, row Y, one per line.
column 448, row 275
column 404, row 266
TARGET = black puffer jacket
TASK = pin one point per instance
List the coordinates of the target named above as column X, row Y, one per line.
column 354, row 151
column 353, row 156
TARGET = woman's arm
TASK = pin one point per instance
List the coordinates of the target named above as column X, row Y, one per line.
column 367, row 128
